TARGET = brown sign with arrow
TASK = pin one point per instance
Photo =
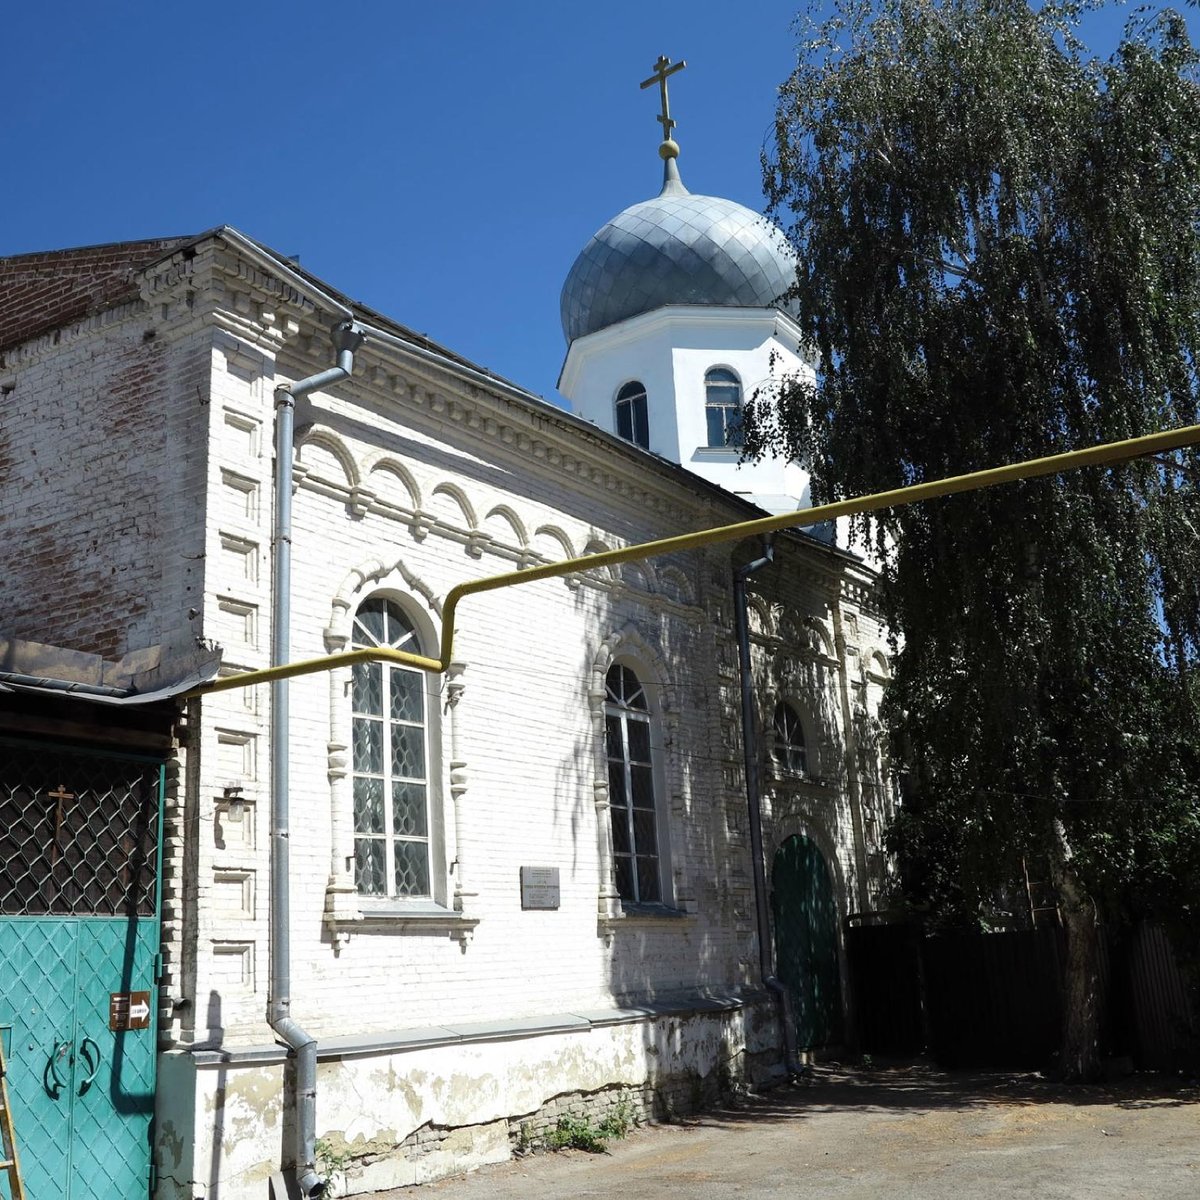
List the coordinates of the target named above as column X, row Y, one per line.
column 128, row 1010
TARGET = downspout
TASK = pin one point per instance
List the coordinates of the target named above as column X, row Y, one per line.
column 346, row 339
column 766, row 965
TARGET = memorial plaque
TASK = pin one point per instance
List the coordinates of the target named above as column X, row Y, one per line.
column 128, row 1010
column 539, row 887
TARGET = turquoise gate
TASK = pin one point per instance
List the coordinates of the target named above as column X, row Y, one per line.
column 806, row 947
column 79, row 935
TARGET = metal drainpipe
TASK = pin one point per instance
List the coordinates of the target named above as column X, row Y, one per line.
column 766, row 966
column 347, row 338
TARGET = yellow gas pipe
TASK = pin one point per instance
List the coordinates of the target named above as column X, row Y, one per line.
column 1093, row 456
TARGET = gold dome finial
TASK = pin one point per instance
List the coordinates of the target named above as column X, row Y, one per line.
column 664, row 67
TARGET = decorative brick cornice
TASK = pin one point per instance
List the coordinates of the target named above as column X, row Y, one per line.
column 499, row 421
column 428, row 398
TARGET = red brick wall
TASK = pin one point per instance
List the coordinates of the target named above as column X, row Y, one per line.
column 103, row 451
column 39, row 292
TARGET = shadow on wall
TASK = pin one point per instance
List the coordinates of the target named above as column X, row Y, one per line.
column 696, row 934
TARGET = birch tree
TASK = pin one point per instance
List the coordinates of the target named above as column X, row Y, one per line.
column 1000, row 259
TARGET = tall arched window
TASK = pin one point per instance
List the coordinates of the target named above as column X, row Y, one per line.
column 633, row 422
column 390, row 743
column 632, row 805
column 788, row 746
column 723, row 407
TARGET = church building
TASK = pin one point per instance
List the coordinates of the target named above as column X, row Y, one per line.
column 374, row 918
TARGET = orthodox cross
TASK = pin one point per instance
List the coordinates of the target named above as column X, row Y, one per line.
column 662, row 69
column 59, row 795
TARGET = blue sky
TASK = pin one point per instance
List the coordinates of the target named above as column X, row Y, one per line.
column 443, row 163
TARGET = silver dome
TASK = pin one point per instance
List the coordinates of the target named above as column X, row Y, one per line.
column 676, row 249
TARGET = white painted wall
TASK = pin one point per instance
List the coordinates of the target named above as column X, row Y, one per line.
column 452, row 1105
column 669, row 351
column 409, row 481
column 408, row 486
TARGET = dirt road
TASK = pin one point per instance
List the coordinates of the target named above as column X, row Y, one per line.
column 901, row 1133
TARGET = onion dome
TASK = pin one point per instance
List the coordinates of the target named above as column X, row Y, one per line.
column 676, row 249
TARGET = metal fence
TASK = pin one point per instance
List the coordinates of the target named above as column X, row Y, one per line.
column 995, row 999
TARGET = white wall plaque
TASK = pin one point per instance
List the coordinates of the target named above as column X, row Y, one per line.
column 539, row 887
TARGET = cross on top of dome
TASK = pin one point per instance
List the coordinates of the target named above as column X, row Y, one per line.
column 676, row 249
column 662, row 69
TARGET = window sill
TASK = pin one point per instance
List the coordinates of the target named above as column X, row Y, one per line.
column 731, row 454
column 415, row 917
column 647, row 914
column 780, row 778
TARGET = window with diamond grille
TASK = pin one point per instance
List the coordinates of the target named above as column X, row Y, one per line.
column 632, row 805
column 78, row 833
column 723, row 407
column 788, row 746
column 391, row 800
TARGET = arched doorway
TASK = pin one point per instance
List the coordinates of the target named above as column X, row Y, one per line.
column 806, row 948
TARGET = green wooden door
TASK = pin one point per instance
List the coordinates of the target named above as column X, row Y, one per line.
column 79, row 926
column 806, row 949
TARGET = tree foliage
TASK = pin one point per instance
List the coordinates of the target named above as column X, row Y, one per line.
column 999, row 238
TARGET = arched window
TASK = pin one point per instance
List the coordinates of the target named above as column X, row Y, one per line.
column 723, row 407
column 788, row 746
column 633, row 423
column 390, row 755
column 632, row 805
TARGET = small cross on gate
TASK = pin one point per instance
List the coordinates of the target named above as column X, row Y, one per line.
column 60, row 794
column 662, row 68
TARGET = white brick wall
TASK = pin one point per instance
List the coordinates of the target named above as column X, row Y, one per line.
column 526, row 730
column 143, row 499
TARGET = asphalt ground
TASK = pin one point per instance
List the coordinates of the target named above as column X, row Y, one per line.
column 899, row 1132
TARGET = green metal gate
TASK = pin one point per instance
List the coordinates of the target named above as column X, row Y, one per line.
column 806, row 948
column 79, row 935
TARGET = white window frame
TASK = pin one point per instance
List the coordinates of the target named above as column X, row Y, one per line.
column 407, row 638
column 723, row 380
column 621, row 715
column 628, row 394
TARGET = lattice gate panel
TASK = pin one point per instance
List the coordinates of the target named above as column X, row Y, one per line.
column 78, row 834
